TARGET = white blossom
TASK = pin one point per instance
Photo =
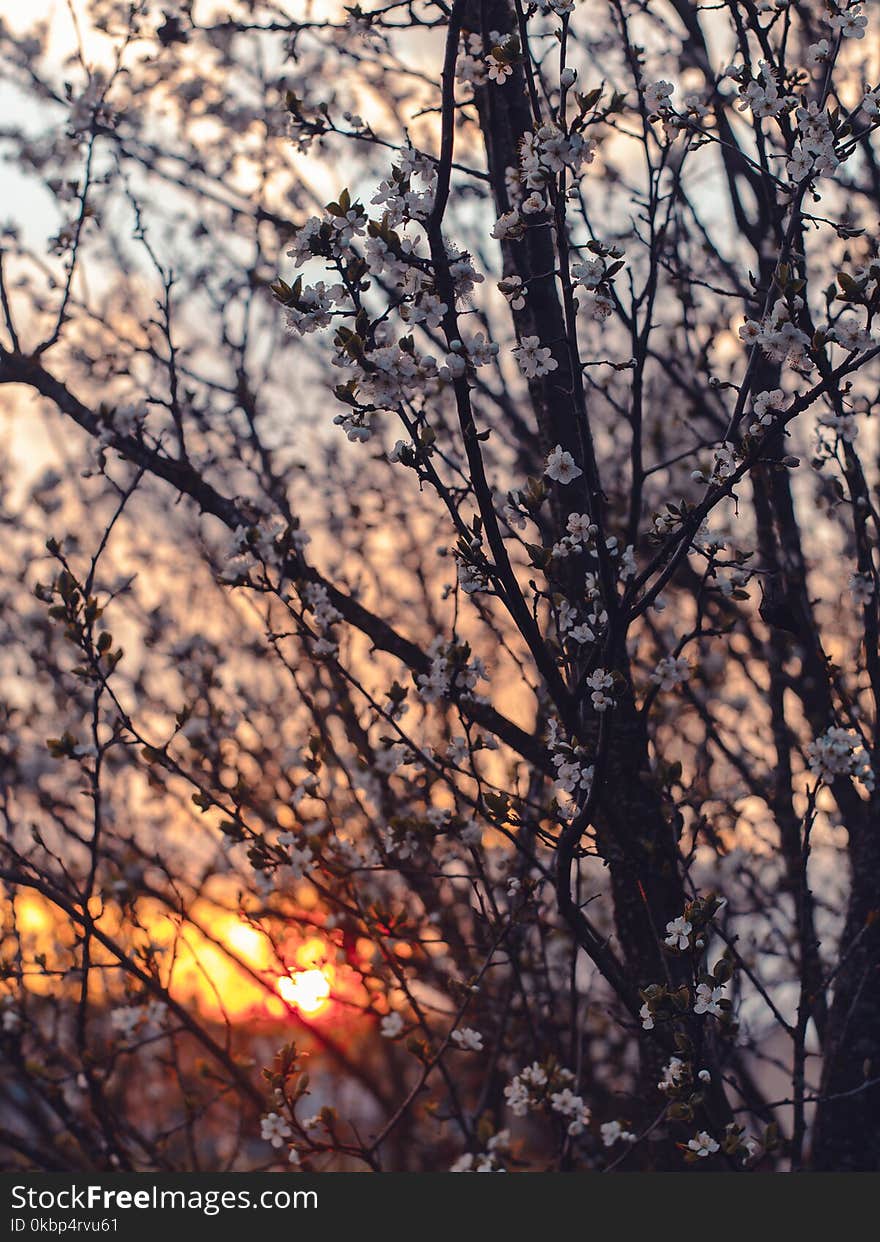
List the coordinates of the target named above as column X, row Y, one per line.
column 274, row 1129
column 658, row 96
column 499, row 70
column 673, row 1072
column 670, row 672
column 840, row 752
column 599, row 682
column 561, row 466
column 533, row 358
column 613, row 1132
column 467, row 1038
column 707, row 1000
column 818, row 52
column 678, row 933
column 391, row 1025
column 851, row 23
column 703, row 1144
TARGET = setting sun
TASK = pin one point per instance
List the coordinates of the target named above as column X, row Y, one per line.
column 307, row 990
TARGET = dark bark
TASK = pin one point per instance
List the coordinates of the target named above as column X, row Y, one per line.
column 634, row 834
column 847, row 1134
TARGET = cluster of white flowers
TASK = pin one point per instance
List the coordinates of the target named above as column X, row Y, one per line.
column 841, row 425
column 658, row 98
column 671, row 672
column 250, row 547
column 298, row 854
column 574, row 772
column 327, row 235
column 814, row 155
column 580, row 537
column 488, row 1161
column 573, row 1108
column 549, row 150
column 478, row 351
column 594, row 276
column 559, row 7
column 450, row 671
column 763, row 406
column 408, row 194
column 667, row 520
column 599, row 305
column 581, row 532
column 627, row 567
column 586, row 626
column 730, row 578
column 543, row 155
column 388, row 759
column 147, row 1018
column 382, row 369
column 472, row 572
column 589, row 273
column 723, row 467
column 840, row 752
column 534, row 358
column 476, row 66
column 470, row 65
column 599, row 682
column 615, row 1132
column 123, row 420
column 310, row 307
column 761, row 94
column 399, row 842
column 533, row 1088
column 526, row 1089
column 386, row 377
column 516, row 511
column 673, row 1073
column 90, row 110
column 509, row 224
column 778, row 338
column 851, row 336
column 316, row 600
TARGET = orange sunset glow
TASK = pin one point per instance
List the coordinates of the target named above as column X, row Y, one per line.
column 226, row 966
column 307, row 990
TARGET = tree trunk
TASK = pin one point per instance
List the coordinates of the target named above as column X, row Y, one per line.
column 847, row 1132
column 634, row 837
column 634, row 832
